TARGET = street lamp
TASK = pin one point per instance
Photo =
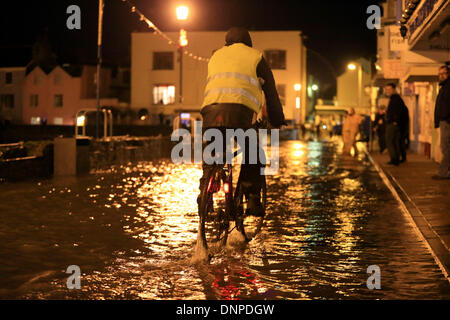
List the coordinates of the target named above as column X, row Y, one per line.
column 315, row 87
column 182, row 12
column 351, row 66
column 182, row 15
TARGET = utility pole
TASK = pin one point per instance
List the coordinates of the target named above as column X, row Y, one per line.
column 99, row 63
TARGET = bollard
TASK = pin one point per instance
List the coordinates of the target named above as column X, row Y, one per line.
column 71, row 156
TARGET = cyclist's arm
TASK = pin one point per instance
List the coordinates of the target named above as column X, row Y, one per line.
column 274, row 108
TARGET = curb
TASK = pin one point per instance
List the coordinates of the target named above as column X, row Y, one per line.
column 439, row 250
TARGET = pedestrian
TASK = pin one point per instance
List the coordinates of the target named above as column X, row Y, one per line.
column 393, row 121
column 442, row 121
column 350, row 129
column 303, row 130
column 379, row 127
column 404, row 133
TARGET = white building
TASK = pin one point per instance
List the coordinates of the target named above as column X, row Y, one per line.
column 353, row 87
column 155, row 71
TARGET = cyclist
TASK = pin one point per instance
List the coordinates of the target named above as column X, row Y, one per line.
column 232, row 97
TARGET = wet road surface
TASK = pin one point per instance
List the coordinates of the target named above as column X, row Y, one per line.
column 132, row 231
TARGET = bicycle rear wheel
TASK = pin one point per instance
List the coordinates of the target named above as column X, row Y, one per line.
column 214, row 220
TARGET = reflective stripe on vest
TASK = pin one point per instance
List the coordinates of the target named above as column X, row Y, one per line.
column 241, row 76
column 240, row 91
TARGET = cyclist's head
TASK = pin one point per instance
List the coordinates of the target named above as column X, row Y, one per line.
column 238, row 35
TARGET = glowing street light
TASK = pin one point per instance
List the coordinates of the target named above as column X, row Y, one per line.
column 182, row 15
column 182, row 12
column 351, row 66
column 297, row 87
column 315, row 87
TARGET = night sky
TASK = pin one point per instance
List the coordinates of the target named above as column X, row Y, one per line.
column 334, row 29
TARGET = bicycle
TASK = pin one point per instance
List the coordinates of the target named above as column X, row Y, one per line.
column 222, row 201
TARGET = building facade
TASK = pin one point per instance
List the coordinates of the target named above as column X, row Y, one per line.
column 55, row 97
column 412, row 43
column 155, row 72
column 11, row 83
column 353, row 87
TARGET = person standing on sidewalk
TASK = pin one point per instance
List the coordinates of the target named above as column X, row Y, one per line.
column 350, row 128
column 393, row 122
column 404, row 133
column 379, row 127
column 442, row 121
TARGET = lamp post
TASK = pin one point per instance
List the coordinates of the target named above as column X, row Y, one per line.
column 182, row 15
column 99, row 63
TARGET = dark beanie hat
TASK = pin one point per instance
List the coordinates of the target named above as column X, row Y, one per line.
column 238, row 35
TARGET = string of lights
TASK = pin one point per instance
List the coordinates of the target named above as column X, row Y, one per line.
column 151, row 25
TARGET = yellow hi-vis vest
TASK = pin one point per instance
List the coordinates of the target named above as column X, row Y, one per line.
column 232, row 77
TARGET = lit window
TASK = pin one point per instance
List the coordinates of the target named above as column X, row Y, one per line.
column 163, row 60
column 163, row 94
column 275, row 58
column 58, row 100
column 34, row 100
column 8, row 77
column 35, row 120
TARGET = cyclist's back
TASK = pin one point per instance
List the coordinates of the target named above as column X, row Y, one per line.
column 233, row 92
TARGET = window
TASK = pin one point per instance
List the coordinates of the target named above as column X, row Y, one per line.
column 163, row 60
column 164, row 94
column 276, row 58
column 281, row 89
column 58, row 100
column 8, row 77
column 7, row 100
column 35, row 120
column 34, row 100
column 58, row 121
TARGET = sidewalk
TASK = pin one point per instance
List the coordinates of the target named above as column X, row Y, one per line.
column 426, row 201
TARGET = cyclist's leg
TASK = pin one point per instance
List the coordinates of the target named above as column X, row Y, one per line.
column 251, row 180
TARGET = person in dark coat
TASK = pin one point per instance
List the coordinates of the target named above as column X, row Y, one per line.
column 404, row 133
column 379, row 126
column 394, row 119
column 442, row 121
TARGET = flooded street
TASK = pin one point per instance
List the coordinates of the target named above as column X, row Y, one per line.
column 132, row 231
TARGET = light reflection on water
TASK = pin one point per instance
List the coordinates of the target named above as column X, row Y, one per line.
column 132, row 231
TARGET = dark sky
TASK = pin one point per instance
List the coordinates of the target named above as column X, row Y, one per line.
column 335, row 29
